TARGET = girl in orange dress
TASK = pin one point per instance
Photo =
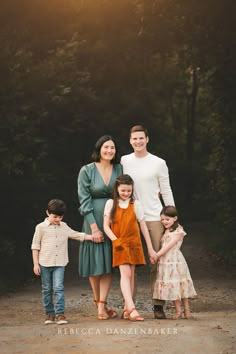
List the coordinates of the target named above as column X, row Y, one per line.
column 121, row 217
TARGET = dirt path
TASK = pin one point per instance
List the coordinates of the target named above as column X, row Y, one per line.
column 212, row 331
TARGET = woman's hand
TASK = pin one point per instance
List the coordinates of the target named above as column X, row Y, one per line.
column 97, row 236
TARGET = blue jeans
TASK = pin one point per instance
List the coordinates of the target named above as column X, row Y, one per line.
column 53, row 285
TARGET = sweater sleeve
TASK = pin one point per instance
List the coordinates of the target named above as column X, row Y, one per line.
column 85, row 199
column 164, row 184
column 138, row 210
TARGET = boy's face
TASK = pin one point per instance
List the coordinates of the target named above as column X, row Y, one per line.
column 53, row 218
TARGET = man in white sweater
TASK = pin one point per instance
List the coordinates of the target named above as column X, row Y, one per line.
column 151, row 179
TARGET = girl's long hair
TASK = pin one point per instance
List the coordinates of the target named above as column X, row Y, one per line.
column 122, row 179
column 171, row 211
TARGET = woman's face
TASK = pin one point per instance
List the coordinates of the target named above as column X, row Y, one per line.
column 108, row 150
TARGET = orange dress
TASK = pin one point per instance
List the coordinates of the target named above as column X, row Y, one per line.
column 127, row 249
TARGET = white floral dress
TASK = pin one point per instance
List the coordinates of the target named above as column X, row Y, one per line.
column 173, row 281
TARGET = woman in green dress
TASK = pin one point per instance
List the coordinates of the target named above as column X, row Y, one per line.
column 95, row 182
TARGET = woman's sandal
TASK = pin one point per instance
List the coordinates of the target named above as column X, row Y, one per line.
column 102, row 316
column 110, row 311
column 134, row 318
column 125, row 314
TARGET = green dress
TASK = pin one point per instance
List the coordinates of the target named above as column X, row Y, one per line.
column 94, row 258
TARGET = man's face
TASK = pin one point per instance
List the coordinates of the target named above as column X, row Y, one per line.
column 139, row 141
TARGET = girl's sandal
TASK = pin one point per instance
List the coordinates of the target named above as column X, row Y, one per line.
column 134, row 318
column 177, row 316
column 125, row 315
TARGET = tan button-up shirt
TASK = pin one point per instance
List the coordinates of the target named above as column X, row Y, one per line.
column 52, row 242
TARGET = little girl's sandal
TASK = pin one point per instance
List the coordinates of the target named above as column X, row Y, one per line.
column 188, row 315
column 177, row 316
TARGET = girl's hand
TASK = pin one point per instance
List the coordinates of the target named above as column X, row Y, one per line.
column 152, row 254
column 117, row 244
column 152, row 260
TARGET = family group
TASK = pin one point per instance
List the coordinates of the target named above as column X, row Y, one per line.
column 120, row 200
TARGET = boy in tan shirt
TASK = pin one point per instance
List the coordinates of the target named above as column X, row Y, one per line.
column 50, row 256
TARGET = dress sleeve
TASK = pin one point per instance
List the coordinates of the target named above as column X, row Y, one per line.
column 120, row 169
column 138, row 210
column 85, row 199
column 180, row 230
column 108, row 207
column 164, row 184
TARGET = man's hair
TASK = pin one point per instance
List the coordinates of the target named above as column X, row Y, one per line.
column 57, row 207
column 138, row 128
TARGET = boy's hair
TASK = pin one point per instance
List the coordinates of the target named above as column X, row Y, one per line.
column 57, row 207
column 122, row 179
column 171, row 211
column 96, row 155
column 138, row 128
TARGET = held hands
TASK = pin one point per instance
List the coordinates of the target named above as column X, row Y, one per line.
column 152, row 256
column 97, row 236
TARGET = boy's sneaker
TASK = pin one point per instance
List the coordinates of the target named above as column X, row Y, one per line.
column 49, row 319
column 60, row 319
column 159, row 313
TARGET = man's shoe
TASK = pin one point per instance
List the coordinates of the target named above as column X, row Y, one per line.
column 60, row 319
column 159, row 314
column 49, row 319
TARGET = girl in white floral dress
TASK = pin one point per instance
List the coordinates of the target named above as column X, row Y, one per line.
column 173, row 281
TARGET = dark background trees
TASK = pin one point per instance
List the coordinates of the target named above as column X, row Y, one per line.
column 74, row 70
